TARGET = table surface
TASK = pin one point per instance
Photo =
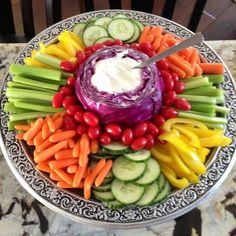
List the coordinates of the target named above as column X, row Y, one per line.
column 21, row 214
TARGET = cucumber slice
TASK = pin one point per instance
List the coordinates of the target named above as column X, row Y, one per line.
column 139, row 24
column 98, row 157
column 136, row 33
column 92, row 33
column 79, row 29
column 116, row 148
column 161, row 181
column 138, row 156
column 103, row 188
column 163, row 194
column 126, row 170
column 103, row 21
column 109, row 174
column 103, row 39
column 118, row 16
column 122, row 29
column 149, row 195
column 103, row 196
column 107, row 180
column 126, row 193
column 114, row 204
column 151, row 173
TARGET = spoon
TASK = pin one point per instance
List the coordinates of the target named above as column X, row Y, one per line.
column 196, row 38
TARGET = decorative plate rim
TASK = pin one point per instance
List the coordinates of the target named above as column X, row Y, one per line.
column 151, row 214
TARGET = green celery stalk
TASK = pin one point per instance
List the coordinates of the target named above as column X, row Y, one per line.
column 209, row 114
column 200, row 91
column 221, row 109
column 28, row 115
column 66, row 74
column 32, row 71
column 196, row 83
column 196, row 98
column 37, row 107
column 11, row 108
column 214, row 125
column 202, row 107
column 215, row 79
column 190, row 79
column 220, row 99
column 11, row 124
column 35, row 83
column 48, row 60
column 61, row 82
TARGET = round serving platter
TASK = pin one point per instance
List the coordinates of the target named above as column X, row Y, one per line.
column 75, row 207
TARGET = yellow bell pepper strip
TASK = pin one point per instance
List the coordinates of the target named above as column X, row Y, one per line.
column 171, row 177
column 225, row 141
column 202, row 153
column 57, row 51
column 31, row 62
column 168, row 124
column 160, row 156
column 211, row 141
column 68, row 47
column 76, row 38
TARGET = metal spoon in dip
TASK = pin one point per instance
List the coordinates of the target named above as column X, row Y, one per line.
column 195, row 39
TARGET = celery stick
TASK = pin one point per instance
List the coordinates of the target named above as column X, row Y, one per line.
column 196, row 98
column 28, row 115
column 29, row 95
column 37, row 107
column 48, row 60
column 220, row 99
column 209, row 114
column 190, row 79
column 224, row 110
column 217, row 120
column 66, row 74
column 216, row 79
column 35, row 83
column 29, row 121
column 214, row 125
column 196, row 83
column 11, row 124
column 61, row 82
column 202, row 107
column 32, row 71
column 200, row 91
column 10, row 107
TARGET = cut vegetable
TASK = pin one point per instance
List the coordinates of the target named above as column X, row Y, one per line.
column 141, row 155
column 116, row 148
column 79, row 29
column 163, row 194
column 136, row 33
column 103, row 39
column 104, row 196
column 103, row 21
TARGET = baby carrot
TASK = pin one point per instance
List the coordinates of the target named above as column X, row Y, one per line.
column 156, row 30
column 30, row 142
column 58, row 164
column 71, row 142
column 55, row 115
column 163, row 43
column 32, row 132
column 84, row 150
column 20, row 136
column 51, row 124
column 55, row 176
column 43, row 166
column 79, row 175
column 38, row 139
column 76, row 149
column 23, row 127
column 103, row 173
column 64, row 176
column 63, row 113
column 45, row 129
column 58, row 123
column 63, row 154
column 197, row 70
column 62, row 184
column 45, row 144
column 144, row 34
column 87, row 186
column 60, row 136
column 94, row 146
column 72, row 169
column 194, row 57
column 47, row 153
column 212, row 68
column 149, row 38
column 177, row 70
column 156, row 43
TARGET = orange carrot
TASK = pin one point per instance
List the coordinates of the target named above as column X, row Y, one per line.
column 30, row 142
column 163, row 43
column 58, row 164
column 72, row 169
column 45, row 144
column 20, row 136
column 149, row 38
column 64, row 176
column 94, row 146
column 58, row 123
column 63, row 135
column 54, row 176
column 55, row 115
column 51, row 124
column 177, row 70
column 63, row 154
column 43, row 166
column 63, row 113
column 172, row 41
column 198, row 70
column 144, row 33
column 84, row 150
column 87, row 186
column 45, row 129
column 47, row 153
column 76, row 149
column 79, row 175
column 38, row 139
column 23, row 127
column 194, row 57
column 62, row 184
column 212, row 68
column 71, row 142
column 156, row 30
column 32, row 132
column 156, row 43
column 103, row 173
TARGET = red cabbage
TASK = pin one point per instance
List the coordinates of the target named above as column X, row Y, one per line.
column 127, row 108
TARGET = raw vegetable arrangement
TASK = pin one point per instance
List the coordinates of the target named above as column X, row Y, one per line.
column 122, row 135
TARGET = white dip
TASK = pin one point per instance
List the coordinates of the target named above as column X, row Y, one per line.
column 114, row 75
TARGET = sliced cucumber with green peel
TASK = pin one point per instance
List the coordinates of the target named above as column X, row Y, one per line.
column 149, row 195
column 161, row 181
column 139, row 24
column 98, row 157
column 103, row 39
column 103, row 188
column 104, row 196
column 126, row 193
column 151, row 174
column 138, row 156
column 92, row 33
column 118, row 16
column 116, row 148
column 107, row 180
column 79, row 29
column 114, row 204
column 126, row 170
column 122, row 29
column 163, row 193
column 103, row 21
column 136, row 33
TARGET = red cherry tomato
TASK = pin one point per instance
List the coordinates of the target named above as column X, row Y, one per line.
column 94, row 132
column 69, row 122
column 108, row 42
column 89, row 53
column 168, row 112
column 158, row 120
column 135, row 46
column 81, row 58
column 65, row 91
column 138, row 143
column 162, row 64
column 71, row 110
column 81, row 129
column 175, row 77
column 169, row 98
column 71, row 81
column 68, row 101
column 150, row 141
column 90, row 118
column 57, row 100
column 113, row 129
column 140, row 129
column 145, row 46
column 105, row 139
column 118, row 42
column 126, row 45
column 78, row 53
column 152, row 129
column 67, row 66
column 98, row 46
column 127, row 136
column 151, row 53
column 79, row 116
column 182, row 104
column 165, row 74
column 179, row 87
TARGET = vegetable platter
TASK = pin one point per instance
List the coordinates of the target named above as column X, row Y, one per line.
column 101, row 143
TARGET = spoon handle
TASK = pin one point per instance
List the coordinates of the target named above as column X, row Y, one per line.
column 196, row 38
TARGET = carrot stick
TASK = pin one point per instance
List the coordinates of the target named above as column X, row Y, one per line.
column 103, row 173
column 79, row 175
column 172, row 41
column 43, row 166
column 163, row 43
column 38, row 139
column 177, row 70
column 58, row 123
column 64, row 176
column 198, row 70
column 71, row 142
column 156, row 43
column 72, row 169
column 84, row 150
column 63, row 154
column 87, row 186
column 63, row 113
column 47, row 153
column 76, row 149
column 194, row 57
column 156, row 30
column 212, row 68
column 54, row 176
column 45, row 144
column 144, row 33
column 51, row 124
column 32, row 132
column 23, row 127
column 20, row 136
column 94, row 146
column 58, row 164
column 149, row 38
column 55, row 116
column 30, row 142
column 60, row 136
column 62, row 184
column 45, row 129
